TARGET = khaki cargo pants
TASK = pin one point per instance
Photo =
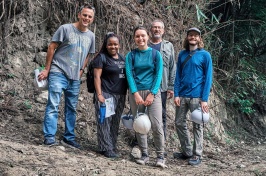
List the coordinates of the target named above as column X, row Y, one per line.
column 155, row 115
column 182, row 128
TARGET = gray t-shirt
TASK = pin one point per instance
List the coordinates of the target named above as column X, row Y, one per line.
column 74, row 46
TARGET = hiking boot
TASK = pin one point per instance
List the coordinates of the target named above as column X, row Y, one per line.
column 181, row 156
column 49, row 142
column 161, row 162
column 195, row 160
column 143, row 160
column 71, row 144
column 110, row 154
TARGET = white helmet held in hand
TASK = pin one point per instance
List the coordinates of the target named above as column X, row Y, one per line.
column 142, row 123
column 199, row 117
column 127, row 120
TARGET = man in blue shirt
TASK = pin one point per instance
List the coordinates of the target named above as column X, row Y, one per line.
column 191, row 90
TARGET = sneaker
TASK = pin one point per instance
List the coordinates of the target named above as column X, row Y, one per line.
column 49, row 142
column 181, row 156
column 143, row 160
column 165, row 154
column 72, row 144
column 161, row 162
column 195, row 160
column 110, row 154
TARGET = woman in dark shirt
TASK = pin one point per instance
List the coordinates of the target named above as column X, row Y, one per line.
column 110, row 82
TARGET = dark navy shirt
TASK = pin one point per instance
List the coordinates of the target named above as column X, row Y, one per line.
column 155, row 46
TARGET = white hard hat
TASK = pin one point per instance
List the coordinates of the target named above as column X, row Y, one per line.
column 199, row 117
column 142, row 123
column 127, row 120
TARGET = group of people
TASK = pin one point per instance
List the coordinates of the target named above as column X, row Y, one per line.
column 148, row 73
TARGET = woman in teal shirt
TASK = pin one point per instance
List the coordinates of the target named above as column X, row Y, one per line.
column 144, row 68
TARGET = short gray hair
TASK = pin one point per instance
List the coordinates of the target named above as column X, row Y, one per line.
column 157, row 20
column 86, row 5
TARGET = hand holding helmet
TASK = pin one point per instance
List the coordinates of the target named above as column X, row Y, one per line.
column 142, row 123
column 199, row 117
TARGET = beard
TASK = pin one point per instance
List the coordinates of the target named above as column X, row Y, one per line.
column 157, row 36
column 193, row 44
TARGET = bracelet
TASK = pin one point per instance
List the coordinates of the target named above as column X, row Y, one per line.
column 99, row 94
column 81, row 69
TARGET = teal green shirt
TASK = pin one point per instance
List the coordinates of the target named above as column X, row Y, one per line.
column 144, row 73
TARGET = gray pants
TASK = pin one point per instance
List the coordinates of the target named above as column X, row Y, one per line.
column 182, row 129
column 155, row 114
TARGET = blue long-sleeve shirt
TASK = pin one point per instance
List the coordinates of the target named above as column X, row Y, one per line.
column 144, row 74
column 195, row 79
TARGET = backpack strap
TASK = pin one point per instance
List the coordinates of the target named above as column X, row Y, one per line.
column 187, row 58
column 121, row 56
column 133, row 61
column 103, row 58
column 133, row 57
column 154, row 56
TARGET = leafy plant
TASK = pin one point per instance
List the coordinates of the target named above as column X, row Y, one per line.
column 238, row 48
column 13, row 92
column 200, row 15
column 27, row 104
column 10, row 75
column 244, row 105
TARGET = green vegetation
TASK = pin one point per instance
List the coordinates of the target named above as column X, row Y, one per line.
column 27, row 104
column 238, row 44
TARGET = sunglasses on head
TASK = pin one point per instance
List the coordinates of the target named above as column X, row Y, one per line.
column 87, row 6
column 110, row 33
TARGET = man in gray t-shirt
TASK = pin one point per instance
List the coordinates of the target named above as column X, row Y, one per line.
column 67, row 56
column 73, row 50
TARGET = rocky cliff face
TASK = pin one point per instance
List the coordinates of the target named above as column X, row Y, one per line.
column 27, row 29
column 30, row 29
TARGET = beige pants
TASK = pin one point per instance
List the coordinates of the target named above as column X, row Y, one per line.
column 182, row 129
column 155, row 114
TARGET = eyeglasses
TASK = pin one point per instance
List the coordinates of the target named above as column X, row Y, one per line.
column 157, row 27
column 87, row 6
column 109, row 34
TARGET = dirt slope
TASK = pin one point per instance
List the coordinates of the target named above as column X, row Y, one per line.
column 22, row 156
column 22, row 152
column 27, row 34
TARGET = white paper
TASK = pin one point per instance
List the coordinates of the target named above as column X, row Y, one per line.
column 42, row 83
column 110, row 107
